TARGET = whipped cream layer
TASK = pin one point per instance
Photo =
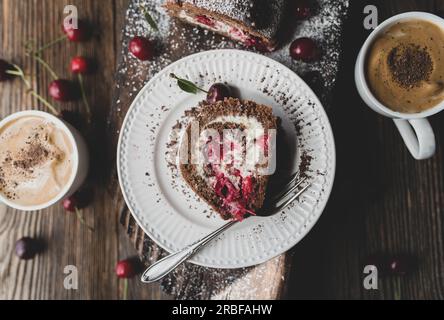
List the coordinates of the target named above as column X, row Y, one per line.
column 230, row 165
column 224, row 28
column 36, row 161
column 238, row 154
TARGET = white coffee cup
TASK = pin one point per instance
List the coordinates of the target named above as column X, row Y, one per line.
column 80, row 158
column 415, row 129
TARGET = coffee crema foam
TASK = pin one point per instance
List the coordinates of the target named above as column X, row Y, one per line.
column 35, row 161
column 405, row 66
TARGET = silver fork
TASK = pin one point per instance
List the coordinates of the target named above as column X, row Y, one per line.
column 277, row 203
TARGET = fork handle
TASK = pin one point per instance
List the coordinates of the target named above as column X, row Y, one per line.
column 168, row 264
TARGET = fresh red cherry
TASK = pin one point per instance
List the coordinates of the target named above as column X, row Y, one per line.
column 82, row 33
column 126, row 269
column 218, row 92
column 62, row 90
column 79, row 200
column 80, row 65
column 303, row 9
column 304, row 49
column 5, row 66
column 70, row 204
column 27, row 248
column 141, row 48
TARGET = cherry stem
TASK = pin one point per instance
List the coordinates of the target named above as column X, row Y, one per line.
column 19, row 73
column 30, row 51
column 125, row 289
column 82, row 220
column 397, row 291
column 85, row 99
column 45, row 65
column 44, row 102
column 50, row 44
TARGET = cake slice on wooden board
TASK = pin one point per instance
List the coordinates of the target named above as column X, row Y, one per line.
column 252, row 22
column 229, row 157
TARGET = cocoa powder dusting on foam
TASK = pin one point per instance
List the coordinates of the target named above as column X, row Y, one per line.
column 23, row 163
column 410, row 65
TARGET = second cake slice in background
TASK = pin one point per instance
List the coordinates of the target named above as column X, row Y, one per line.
column 255, row 23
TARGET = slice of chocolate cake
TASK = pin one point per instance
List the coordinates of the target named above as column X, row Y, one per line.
column 252, row 22
column 227, row 155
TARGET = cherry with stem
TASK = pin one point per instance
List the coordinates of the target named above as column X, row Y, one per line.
column 126, row 269
column 82, row 33
column 74, row 204
column 51, row 43
column 81, row 66
column 19, row 73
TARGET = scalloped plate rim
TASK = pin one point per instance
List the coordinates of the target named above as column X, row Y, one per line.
column 328, row 128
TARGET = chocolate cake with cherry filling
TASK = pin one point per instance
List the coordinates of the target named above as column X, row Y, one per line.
column 227, row 164
column 252, row 22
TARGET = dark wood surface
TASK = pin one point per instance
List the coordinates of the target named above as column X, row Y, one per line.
column 67, row 242
column 383, row 200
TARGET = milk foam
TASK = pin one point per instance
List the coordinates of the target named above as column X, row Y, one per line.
column 36, row 161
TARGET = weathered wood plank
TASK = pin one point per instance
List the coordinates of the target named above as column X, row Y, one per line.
column 95, row 254
column 383, row 202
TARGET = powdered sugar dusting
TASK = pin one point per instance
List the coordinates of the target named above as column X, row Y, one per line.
column 176, row 40
column 325, row 27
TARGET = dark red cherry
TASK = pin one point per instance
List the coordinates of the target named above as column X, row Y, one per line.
column 218, row 92
column 79, row 200
column 62, row 90
column 5, row 66
column 82, row 33
column 81, row 65
column 304, row 49
column 303, row 9
column 70, row 204
column 141, row 48
column 27, row 248
column 126, row 269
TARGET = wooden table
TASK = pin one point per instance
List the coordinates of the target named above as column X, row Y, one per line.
column 383, row 200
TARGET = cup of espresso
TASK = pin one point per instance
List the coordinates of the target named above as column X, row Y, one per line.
column 42, row 160
column 400, row 74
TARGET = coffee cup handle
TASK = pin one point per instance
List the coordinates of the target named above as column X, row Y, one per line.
column 418, row 136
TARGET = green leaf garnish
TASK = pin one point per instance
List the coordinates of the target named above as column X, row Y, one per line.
column 187, row 85
column 150, row 19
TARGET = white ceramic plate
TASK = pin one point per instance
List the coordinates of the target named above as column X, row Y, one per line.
column 165, row 207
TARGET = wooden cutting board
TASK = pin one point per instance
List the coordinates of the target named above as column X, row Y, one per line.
column 175, row 40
